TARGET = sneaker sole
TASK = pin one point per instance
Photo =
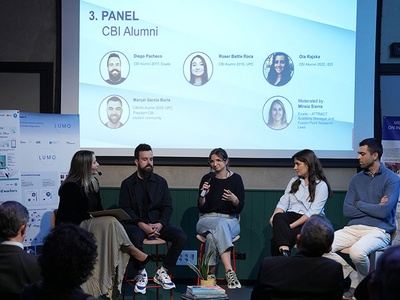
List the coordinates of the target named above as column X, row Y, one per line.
column 140, row 291
column 235, row 287
column 165, row 287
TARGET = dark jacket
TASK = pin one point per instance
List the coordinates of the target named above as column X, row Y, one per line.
column 299, row 277
column 160, row 201
column 17, row 268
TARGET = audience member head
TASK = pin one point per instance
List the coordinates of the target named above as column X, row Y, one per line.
column 384, row 283
column 14, row 219
column 374, row 145
column 68, row 256
column 316, row 236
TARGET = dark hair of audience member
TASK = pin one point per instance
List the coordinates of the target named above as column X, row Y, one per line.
column 68, row 256
column 12, row 216
column 384, row 283
column 316, row 236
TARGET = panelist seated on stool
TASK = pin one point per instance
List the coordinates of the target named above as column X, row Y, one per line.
column 146, row 198
column 370, row 204
column 202, row 240
column 220, row 201
column 140, row 281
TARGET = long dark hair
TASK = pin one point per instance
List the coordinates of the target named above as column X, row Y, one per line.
column 315, row 173
column 286, row 72
column 81, row 171
column 204, row 77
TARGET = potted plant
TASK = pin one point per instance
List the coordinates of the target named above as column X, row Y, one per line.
column 202, row 269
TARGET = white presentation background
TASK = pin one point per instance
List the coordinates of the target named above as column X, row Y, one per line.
column 328, row 99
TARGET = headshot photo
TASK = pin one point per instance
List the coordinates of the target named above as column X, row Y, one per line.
column 197, row 68
column 278, row 69
column 114, row 112
column 277, row 112
column 114, row 68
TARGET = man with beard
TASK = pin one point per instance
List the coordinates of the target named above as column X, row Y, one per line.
column 370, row 204
column 114, row 112
column 145, row 196
column 114, row 69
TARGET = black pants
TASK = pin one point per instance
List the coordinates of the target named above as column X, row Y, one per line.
column 282, row 234
column 175, row 236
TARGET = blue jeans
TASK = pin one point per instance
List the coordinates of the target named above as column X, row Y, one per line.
column 219, row 230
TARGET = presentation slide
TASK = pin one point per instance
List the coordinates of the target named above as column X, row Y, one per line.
column 258, row 78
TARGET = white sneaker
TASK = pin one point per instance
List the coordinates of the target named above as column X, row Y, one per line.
column 232, row 280
column 141, row 282
column 163, row 279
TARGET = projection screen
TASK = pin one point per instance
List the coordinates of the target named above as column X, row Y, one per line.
column 261, row 79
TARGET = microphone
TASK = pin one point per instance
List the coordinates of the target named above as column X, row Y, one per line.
column 203, row 191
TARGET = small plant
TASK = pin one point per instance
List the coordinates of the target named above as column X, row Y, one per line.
column 202, row 266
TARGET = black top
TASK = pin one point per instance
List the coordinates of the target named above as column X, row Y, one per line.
column 75, row 205
column 214, row 202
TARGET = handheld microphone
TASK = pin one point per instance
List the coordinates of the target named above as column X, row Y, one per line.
column 203, row 191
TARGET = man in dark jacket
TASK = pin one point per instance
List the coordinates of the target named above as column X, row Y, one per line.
column 146, row 198
column 305, row 275
column 17, row 267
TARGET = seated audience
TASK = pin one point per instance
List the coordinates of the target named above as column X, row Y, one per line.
column 383, row 283
column 67, row 260
column 306, row 274
column 17, row 267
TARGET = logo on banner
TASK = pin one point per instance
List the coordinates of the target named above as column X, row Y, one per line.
column 47, row 157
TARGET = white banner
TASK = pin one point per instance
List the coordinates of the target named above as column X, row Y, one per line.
column 391, row 155
column 10, row 171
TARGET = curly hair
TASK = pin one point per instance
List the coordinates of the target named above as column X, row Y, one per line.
column 68, row 256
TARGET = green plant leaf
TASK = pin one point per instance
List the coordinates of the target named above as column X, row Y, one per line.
column 194, row 268
column 202, row 266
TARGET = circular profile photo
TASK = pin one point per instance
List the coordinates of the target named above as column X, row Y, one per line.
column 198, row 68
column 114, row 67
column 277, row 112
column 114, row 111
column 278, row 68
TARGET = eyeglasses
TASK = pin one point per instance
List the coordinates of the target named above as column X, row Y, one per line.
column 217, row 161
